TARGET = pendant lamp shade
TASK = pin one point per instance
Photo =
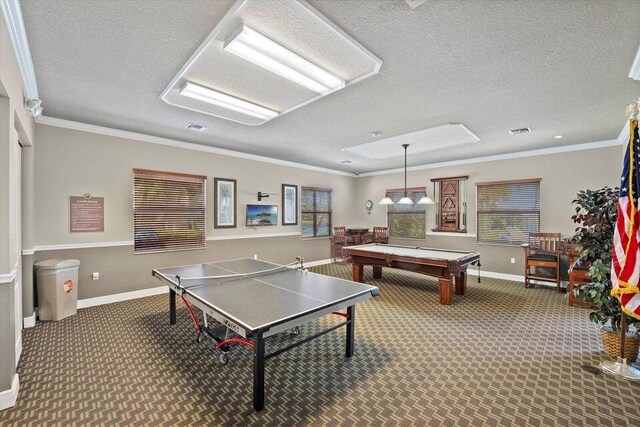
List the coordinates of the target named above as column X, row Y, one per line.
column 405, row 201
column 386, row 201
column 426, row 200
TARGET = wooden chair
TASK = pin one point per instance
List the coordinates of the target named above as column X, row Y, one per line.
column 578, row 276
column 338, row 241
column 542, row 251
column 380, row 235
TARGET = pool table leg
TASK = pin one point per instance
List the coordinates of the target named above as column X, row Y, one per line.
column 445, row 291
column 461, row 283
column 357, row 273
column 377, row 272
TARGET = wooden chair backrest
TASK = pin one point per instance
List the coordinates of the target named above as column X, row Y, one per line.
column 380, row 232
column 544, row 242
column 340, row 233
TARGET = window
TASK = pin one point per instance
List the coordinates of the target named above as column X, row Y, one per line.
column 450, row 196
column 316, row 212
column 407, row 220
column 169, row 211
column 508, row 211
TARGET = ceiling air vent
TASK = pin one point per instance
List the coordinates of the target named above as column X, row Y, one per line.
column 195, row 126
column 414, row 3
column 520, row 131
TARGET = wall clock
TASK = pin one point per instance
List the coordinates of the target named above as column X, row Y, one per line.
column 368, row 204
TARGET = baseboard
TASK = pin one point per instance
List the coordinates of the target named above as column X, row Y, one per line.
column 29, row 322
column 8, row 397
column 473, row 271
column 511, row 277
column 108, row 299
column 319, row 262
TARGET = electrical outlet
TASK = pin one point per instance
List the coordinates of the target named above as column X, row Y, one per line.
column 95, row 276
column 255, row 256
column 513, row 260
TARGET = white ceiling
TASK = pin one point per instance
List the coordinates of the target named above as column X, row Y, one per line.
column 559, row 67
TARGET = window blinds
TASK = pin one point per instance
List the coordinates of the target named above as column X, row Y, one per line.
column 508, row 211
column 407, row 221
column 169, row 211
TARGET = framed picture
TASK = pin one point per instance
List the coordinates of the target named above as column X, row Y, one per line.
column 289, row 204
column 224, row 201
column 259, row 215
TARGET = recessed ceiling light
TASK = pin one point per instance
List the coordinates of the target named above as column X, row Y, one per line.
column 254, row 47
column 195, row 126
column 346, row 162
column 558, row 136
column 376, row 134
column 210, row 96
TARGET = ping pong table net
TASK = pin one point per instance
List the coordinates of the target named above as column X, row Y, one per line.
column 187, row 282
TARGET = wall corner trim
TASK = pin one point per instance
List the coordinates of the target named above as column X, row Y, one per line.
column 140, row 137
column 8, row 397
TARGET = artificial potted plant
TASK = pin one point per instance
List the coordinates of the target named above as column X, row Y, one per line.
column 596, row 214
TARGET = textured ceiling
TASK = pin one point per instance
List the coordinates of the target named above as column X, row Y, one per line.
column 558, row 66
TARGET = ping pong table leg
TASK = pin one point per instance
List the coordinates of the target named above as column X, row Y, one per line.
column 351, row 312
column 172, row 307
column 258, row 371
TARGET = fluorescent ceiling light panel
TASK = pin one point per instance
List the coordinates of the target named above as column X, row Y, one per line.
column 435, row 138
column 254, row 47
column 210, row 96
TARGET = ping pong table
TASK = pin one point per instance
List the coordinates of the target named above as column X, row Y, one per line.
column 256, row 299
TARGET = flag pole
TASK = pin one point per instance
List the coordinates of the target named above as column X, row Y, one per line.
column 620, row 367
column 623, row 334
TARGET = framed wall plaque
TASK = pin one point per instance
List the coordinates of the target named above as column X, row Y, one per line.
column 86, row 213
column 224, row 201
column 289, row 204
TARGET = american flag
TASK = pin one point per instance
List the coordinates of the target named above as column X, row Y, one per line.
column 625, row 271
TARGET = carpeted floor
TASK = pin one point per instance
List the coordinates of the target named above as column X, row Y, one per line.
column 500, row 355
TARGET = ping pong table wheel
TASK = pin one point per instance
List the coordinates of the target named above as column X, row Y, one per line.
column 199, row 337
column 296, row 330
column 223, row 359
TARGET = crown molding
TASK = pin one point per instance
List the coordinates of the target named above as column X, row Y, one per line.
column 140, row 137
column 507, row 156
column 634, row 73
column 15, row 25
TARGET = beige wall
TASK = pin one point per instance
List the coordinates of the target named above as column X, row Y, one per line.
column 562, row 176
column 71, row 162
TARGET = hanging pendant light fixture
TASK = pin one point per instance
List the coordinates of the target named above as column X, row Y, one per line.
column 405, row 200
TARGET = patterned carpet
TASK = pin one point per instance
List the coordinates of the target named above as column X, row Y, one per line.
column 501, row 355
